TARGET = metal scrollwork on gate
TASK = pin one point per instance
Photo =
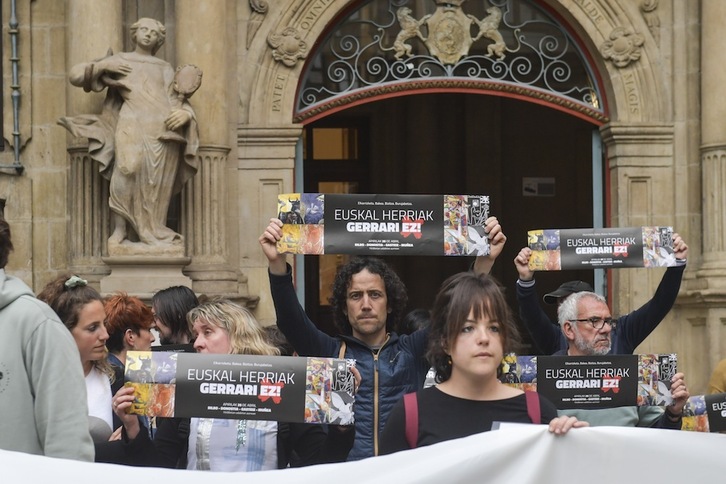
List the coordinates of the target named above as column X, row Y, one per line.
column 385, row 46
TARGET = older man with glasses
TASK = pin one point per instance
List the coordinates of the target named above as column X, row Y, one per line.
column 588, row 327
column 632, row 328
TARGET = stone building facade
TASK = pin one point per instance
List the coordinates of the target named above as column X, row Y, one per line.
column 653, row 143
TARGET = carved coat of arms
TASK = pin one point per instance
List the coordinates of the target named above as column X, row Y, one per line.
column 449, row 36
column 449, row 32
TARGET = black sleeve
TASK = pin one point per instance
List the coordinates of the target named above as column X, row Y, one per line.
column 310, row 444
column 168, row 448
column 547, row 410
column 666, row 423
column 113, row 452
column 393, row 437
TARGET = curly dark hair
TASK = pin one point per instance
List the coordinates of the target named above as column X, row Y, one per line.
column 395, row 291
column 459, row 295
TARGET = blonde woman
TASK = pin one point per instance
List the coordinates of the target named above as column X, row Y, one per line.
column 223, row 327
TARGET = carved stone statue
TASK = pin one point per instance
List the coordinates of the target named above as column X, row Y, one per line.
column 145, row 139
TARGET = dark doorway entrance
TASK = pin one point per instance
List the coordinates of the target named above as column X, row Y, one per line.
column 454, row 143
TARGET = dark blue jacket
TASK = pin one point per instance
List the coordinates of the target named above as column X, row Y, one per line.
column 631, row 330
column 399, row 367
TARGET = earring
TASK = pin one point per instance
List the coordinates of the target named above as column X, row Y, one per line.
column 449, row 362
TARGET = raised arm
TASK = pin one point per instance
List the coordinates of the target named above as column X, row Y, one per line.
column 268, row 241
column 303, row 335
column 483, row 264
column 637, row 325
column 545, row 334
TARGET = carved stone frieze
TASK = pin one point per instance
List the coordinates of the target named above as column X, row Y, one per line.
column 622, row 47
column 288, row 46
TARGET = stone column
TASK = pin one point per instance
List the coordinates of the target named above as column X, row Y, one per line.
column 94, row 26
column 713, row 137
column 640, row 159
column 202, row 40
column 711, row 292
column 265, row 169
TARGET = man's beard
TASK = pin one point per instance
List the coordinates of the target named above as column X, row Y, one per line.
column 588, row 347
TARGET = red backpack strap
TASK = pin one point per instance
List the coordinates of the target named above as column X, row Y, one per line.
column 533, row 409
column 410, row 407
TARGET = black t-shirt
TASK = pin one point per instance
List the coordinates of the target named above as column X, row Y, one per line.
column 443, row 417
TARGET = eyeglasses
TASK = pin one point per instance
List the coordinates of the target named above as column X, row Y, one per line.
column 597, row 322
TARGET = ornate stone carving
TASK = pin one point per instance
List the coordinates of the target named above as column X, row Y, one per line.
column 410, row 28
column 259, row 6
column 145, row 140
column 449, row 32
column 259, row 10
column 651, row 18
column 622, row 47
column 288, row 46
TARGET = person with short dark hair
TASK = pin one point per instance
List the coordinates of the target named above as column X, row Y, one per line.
column 368, row 300
column 414, row 320
column 278, row 340
column 170, row 307
column 632, row 328
column 42, row 389
column 471, row 329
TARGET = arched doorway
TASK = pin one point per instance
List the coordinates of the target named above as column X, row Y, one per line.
column 525, row 141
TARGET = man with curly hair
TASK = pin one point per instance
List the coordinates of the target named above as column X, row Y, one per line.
column 368, row 300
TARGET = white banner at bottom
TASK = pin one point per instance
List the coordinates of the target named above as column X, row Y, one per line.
column 515, row 453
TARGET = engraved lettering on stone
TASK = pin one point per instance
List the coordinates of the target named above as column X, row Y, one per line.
column 277, row 91
column 314, row 13
column 591, row 10
column 631, row 92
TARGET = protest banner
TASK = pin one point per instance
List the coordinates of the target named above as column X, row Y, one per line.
column 705, row 413
column 315, row 223
column 558, row 249
column 586, row 382
column 517, row 453
column 280, row 388
column 590, row 382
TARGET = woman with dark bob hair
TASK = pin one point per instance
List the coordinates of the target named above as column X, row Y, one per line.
column 471, row 329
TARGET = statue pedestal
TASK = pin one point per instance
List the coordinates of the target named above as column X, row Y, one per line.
column 142, row 276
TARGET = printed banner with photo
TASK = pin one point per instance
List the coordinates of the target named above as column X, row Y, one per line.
column 316, row 223
column 705, row 413
column 585, row 382
column 280, row 388
column 558, row 249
